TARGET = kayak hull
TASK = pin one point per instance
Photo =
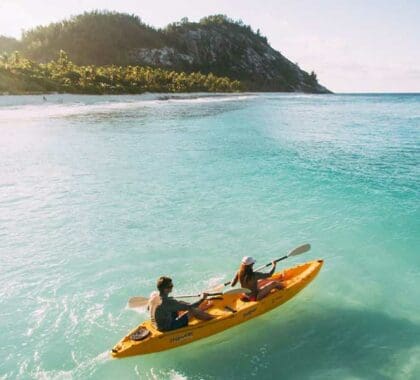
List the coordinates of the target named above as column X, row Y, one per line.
column 228, row 312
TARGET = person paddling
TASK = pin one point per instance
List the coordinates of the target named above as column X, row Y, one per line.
column 249, row 279
column 164, row 310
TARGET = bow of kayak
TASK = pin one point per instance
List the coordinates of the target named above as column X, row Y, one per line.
column 228, row 311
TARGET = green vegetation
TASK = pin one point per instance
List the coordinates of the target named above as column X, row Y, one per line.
column 98, row 38
column 8, row 44
column 20, row 75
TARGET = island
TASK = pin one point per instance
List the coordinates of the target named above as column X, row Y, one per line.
column 103, row 52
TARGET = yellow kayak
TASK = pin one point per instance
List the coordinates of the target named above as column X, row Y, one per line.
column 228, row 311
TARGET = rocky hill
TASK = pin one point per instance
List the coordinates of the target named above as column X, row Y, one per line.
column 216, row 44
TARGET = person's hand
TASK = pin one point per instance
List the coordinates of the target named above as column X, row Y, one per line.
column 273, row 263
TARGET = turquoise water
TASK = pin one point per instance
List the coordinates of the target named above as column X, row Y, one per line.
column 101, row 195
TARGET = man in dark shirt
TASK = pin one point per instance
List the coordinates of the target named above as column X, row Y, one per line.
column 164, row 310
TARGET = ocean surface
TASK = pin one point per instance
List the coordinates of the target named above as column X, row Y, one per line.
column 100, row 195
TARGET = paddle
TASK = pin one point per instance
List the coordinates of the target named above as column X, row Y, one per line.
column 135, row 302
column 294, row 252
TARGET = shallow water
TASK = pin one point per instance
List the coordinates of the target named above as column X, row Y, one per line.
column 101, row 195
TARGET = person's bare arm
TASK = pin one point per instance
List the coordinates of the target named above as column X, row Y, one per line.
column 234, row 280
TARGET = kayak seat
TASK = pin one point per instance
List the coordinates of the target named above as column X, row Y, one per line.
column 140, row 334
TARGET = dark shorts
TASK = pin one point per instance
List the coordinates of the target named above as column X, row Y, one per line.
column 180, row 322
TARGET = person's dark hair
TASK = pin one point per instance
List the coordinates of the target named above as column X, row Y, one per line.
column 164, row 283
column 245, row 273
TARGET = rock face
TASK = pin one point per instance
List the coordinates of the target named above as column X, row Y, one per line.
column 231, row 50
column 163, row 57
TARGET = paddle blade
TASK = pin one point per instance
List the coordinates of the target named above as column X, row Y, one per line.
column 237, row 291
column 299, row 250
column 135, row 302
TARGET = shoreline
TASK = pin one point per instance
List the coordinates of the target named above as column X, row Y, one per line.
column 170, row 93
column 209, row 94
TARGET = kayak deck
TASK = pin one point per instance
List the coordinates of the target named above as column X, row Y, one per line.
column 228, row 311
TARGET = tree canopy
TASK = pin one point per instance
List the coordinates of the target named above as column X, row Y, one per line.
column 8, row 44
column 98, row 37
column 20, row 75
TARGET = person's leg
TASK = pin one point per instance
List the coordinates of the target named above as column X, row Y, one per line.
column 200, row 314
column 207, row 304
column 179, row 322
column 264, row 291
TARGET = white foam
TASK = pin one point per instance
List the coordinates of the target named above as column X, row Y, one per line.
column 75, row 372
column 52, row 375
column 214, row 282
column 74, row 108
column 174, row 375
column 159, row 374
column 212, row 99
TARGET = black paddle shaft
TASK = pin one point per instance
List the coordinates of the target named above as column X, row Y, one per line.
column 276, row 261
column 198, row 295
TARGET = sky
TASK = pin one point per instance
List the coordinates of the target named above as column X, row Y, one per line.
column 353, row 45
